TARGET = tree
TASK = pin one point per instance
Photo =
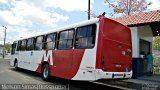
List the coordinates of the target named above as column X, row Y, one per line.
column 1, row 45
column 8, row 47
column 156, row 43
column 128, row 7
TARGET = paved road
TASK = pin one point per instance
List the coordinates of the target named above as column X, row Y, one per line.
column 8, row 75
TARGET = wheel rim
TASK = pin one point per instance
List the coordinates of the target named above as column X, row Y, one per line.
column 45, row 72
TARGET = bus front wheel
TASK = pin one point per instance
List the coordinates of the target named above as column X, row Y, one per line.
column 45, row 72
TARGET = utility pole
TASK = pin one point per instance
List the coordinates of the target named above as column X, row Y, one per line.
column 4, row 27
column 129, row 7
column 89, row 10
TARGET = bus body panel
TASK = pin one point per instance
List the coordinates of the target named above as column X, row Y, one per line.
column 73, row 64
column 114, row 47
column 66, row 63
column 87, row 66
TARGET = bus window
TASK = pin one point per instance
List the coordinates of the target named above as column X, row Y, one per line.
column 30, row 44
column 23, row 45
column 39, row 42
column 66, row 39
column 85, row 36
column 50, row 41
column 13, row 48
column 19, row 45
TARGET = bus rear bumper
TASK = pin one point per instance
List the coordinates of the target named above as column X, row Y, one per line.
column 112, row 75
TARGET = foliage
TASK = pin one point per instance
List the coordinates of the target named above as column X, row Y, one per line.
column 128, row 7
column 156, row 43
column 7, row 47
column 1, row 45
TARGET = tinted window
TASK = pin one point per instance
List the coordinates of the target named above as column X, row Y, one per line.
column 14, row 45
column 63, row 35
column 19, row 46
column 85, row 36
column 23, row 45
column 39, row 43
column 62, row 44
column 66, row 39
column 51, row 37
column 50, row 41
column 30, row 44
column 70, row 34
column 39, row 39
column 81, row 32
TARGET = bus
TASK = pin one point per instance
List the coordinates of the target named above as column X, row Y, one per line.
column 95, row 49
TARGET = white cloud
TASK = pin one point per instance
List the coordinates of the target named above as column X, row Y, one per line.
column 155, row 4
column 35, row 14
column 3, row 1
column 59, row 17
column 27, row 12
column 8, row 18
column 67, row 5
column 21, row 15
column 19, row 32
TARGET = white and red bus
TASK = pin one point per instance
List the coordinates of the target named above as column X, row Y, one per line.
column 95, row 49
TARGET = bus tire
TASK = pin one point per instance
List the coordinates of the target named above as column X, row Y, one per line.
column 46, row 72
column 16, row 64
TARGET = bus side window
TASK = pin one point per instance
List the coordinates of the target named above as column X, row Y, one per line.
column 19, row 45
column 50, row 41
column 65, row 40
column 85, row 36
column 30, row 44
column 23, row 45
column 39, row 43
column 13, row 48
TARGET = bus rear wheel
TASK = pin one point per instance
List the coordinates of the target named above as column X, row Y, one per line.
column 46, row 72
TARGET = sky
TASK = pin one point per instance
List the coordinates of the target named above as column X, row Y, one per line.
column 24, row 18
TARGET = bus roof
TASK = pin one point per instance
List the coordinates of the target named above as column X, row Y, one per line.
column 95, row 20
